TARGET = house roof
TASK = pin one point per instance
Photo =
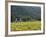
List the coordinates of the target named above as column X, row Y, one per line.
column 18, row 17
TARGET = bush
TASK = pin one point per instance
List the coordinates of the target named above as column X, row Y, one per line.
column 12, row 18
column 26, row 18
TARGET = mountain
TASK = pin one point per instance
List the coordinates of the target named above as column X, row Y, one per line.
column 33, row 11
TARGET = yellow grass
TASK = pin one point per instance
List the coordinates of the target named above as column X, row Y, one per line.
column 22, row 26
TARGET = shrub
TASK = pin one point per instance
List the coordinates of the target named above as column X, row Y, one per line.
column 26, row 18
column 12, row 18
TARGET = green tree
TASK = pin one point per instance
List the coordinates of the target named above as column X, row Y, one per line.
column 12, row 18
column 26, row 18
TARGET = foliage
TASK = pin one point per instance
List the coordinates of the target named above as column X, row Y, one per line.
column 26, row 18
column 12, row 18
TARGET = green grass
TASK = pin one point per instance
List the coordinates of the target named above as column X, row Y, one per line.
column 22, row 26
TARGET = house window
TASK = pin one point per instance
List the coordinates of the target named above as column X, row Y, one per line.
column 18, row 19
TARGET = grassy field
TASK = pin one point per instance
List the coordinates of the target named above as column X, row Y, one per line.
column 22, row 26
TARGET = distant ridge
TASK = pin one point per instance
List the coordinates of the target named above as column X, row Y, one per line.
column 33, row 11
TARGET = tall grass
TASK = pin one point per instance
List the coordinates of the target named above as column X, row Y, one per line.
column 22, row 26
